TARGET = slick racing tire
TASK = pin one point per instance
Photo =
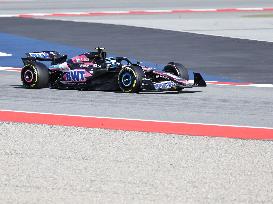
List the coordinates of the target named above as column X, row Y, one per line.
column 35, row 76
column 177, row 69
column 130, row 79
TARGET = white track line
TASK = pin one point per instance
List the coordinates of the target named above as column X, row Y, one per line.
column 3, row 54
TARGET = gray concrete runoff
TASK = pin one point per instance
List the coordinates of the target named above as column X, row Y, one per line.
column 26, row 6
column 51, row 164
column 252, row 26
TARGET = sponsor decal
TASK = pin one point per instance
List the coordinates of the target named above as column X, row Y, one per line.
column 164, row 85
column 59, row 66
column 80, row 58
column 86, row 65
column 75, row 75
column 39, row 54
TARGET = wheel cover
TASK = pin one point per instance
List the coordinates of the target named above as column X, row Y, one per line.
column 126, row 79
column 28, row 76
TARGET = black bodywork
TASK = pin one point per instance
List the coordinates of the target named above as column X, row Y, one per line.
column 96, row 71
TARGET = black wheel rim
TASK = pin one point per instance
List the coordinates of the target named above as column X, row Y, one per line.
column 28, row 76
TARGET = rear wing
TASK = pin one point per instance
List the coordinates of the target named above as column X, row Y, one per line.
column 53, row 56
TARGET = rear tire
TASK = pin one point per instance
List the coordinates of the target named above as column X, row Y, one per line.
column 35, row 76
column 177, row 69
column 130, row 79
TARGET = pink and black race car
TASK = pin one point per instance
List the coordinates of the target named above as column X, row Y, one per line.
column 96, row 71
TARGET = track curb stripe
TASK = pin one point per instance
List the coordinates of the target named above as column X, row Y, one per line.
column 138, row 12
column 180, row 128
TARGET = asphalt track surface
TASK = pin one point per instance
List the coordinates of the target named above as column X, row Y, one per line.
column 237, row 59
column 47, row 164
column 214, row 104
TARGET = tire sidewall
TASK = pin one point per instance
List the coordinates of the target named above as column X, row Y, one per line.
column 177, row 69
column 32, row 69
column 40, row 75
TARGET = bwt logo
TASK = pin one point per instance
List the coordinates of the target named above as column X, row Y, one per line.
column 76, row 75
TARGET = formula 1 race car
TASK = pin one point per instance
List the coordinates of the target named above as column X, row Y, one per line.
column 96, row 71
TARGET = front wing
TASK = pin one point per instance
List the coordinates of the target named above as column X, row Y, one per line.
column 173, row 84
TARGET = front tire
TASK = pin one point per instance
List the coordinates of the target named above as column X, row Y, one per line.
column 35, row 76
column 177, row 69
column 130, row 79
